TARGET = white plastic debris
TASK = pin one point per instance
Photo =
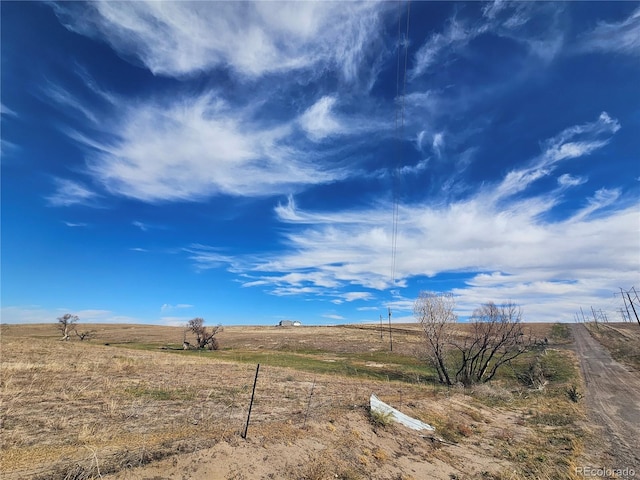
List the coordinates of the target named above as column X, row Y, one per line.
column 379, row 406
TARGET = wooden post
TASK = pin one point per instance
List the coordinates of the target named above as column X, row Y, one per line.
column 246, row 427
column 390, row 335
column 309, row 403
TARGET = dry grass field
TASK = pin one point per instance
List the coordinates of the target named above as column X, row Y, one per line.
column 130, row 404
column 621, row 339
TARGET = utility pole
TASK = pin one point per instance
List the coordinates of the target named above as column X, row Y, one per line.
column 633, row 308
column 603, row 317
column 595, row 319
column 390, row 335
column 625, row 303
column 624, row 318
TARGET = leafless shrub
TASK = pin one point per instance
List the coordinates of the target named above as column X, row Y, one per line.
column 497, row 337
column 435, row 313
column 86, row 335
column 205, row 339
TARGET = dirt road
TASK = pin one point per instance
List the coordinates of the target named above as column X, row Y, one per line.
column 613, row 399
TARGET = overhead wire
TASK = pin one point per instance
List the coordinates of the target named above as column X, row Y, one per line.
column 399, row 132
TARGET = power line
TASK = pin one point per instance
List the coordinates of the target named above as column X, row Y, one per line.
column 399, row 132
column 399, row 129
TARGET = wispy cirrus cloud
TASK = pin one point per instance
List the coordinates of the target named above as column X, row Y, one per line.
column 352, row 297
column 573, row 142
column 145, row 227
column 6, row 146
column 195, row 147
column 252, row 39
column 4, row 110
column 69, row 192
column 494, row 230
column 500, row 18
column 70, row 104
column 167, row 307
column 621, row 37
column 142, row 226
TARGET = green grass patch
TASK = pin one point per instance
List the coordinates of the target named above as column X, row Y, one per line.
column 560, row 333
column 556, row 367
column 373, row 365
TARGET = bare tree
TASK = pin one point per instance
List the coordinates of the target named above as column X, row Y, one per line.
column 497, row 337
column 204, row 338
column 435, row 313
column 67, row 324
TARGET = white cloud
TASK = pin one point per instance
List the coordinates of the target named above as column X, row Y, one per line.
column 421, row 166
column 6, row 147
column 600, row 200
column 195, row 147
column 573, row 142
column 253, row 39
column 437, row 143
column 166, row 307
column 206, row 257
column 567, row 180
column 351, row 296
column 333, row 316
column 69, row 102
column 368, row 309
column 621, row 37
column 39, row 314
column 318, row 120
column 454, row 36
column 70, row 193
column 142, row 226
column 74, row 225
column 516, row 240
column 504, row 19
column 4, row 110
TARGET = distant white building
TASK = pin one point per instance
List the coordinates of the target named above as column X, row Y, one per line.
column 289, row 323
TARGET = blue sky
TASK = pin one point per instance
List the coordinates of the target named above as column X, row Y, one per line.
column 250, row 162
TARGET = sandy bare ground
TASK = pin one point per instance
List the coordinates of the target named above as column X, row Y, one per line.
column 613, row 399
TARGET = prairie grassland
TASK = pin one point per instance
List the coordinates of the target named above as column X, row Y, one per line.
column 621, row 339
column 85, row 409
